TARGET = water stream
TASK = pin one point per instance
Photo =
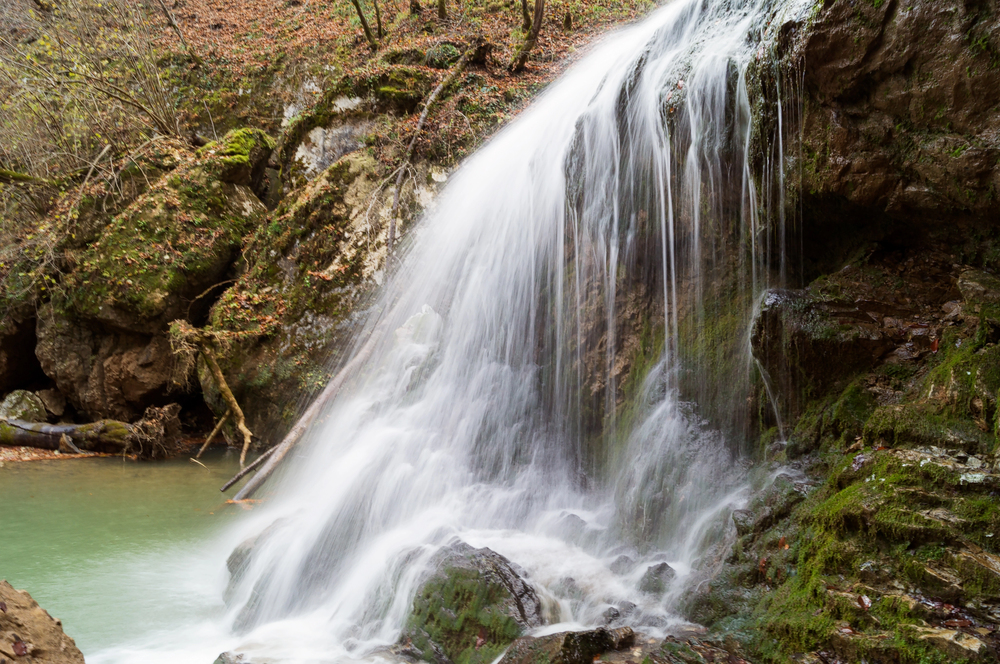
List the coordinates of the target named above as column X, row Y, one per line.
column 494, row 408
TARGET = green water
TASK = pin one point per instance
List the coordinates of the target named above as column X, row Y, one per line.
column 116, row 548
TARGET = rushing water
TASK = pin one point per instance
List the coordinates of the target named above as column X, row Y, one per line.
column 491, row 408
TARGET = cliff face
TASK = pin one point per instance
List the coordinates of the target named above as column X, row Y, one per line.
column 877, row 541
column 900, row 125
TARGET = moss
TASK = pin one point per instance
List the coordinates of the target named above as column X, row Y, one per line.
column 456, row 608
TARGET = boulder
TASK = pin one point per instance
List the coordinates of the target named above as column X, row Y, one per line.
column 29, row 634
column 23, row 405
column 469, row 609
column 657, row 579
column 568, row 647
column 105, row 374
column 294, row 307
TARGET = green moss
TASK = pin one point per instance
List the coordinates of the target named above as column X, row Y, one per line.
column 456, row 608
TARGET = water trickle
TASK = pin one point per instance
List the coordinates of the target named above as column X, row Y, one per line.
column 561, row 368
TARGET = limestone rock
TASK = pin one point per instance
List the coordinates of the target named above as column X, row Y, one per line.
column 29, row 633
column 954, row 643
column 23, row 405
column 568, row 647
column 470, row 609
column 104, row 375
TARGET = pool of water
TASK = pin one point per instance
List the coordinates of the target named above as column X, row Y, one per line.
column 118, row 549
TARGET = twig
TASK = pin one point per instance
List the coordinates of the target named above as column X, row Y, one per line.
column 177, row 29
column 214, row 133
column 199, row 463
column 79, row 196
column 215, row 431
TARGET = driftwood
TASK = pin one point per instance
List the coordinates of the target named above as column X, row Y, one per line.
column 238, row 476
column 211, row 436
column 329, row 392
column 155, row 435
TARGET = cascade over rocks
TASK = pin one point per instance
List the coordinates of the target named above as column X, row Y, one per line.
column 29, row 634
column 470, row 609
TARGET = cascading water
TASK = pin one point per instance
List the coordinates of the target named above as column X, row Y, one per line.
column 495, row 407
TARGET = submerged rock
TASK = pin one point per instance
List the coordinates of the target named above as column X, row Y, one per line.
column 29, row 634
column 470, row 609
column 568, row 647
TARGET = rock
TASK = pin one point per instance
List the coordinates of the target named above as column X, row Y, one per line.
column 306, row 272
column 105, row 374
column 805, row 343
column 622, row 565
column 240, row 157
column 568, row 647
column 657, row 579
column 470, row 609
column 54, row 401
column 744, row 521
column 956, row 644
column 231, row 658
column 899, row 129
column 23, row 405
column 28, row 630
column 978, row 287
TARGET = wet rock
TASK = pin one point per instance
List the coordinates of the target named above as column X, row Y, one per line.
column 806, row 343
column 773, row 503
column 622, row 565
column 899, row 120
column 978, row 287
column 29, row 634
column 657, row 579
column 231, row 658
column 568, row 647
column 470, row 609
column 23, row 405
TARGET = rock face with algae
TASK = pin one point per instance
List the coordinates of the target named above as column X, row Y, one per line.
column 29, row 634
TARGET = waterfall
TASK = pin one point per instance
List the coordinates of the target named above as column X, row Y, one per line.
column 561, row 369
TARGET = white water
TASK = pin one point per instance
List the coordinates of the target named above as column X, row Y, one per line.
column 474, row 417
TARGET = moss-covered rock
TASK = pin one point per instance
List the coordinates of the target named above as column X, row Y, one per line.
column 470, row 609
column 240, row 157
column 568, row 647
column 289, row 314
column 23, row 405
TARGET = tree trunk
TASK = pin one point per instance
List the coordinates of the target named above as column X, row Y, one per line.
column 364, row 25
column 414, row 7
column 378, row 19
column 442, row 10
column 525, row 16
column 521, row 57
column 156, row 435
column 102, row 436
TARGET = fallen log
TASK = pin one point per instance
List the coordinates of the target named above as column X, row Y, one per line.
column 155, row 436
